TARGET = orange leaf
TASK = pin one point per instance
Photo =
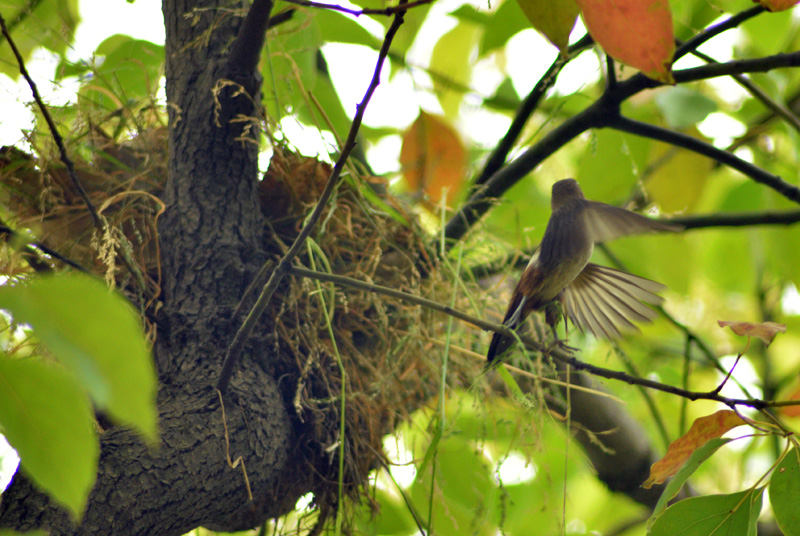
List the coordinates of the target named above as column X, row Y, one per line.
column 791, row 411
column 702, row 431
column 765, row 331
column 433, row 159
column 777, row 5
column 554, row 20
column 635, row 32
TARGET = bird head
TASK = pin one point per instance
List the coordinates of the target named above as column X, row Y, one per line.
column 563, row 191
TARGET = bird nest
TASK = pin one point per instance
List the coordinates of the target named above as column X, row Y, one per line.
column 351, row 364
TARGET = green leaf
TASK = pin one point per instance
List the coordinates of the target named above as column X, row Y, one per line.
column 695, row 460
column 290, row 68
column 451, row 59
column 37, row 23
column 610, row 165
column 505, row 98
column 683, row 107
column 97, row 336
column 336, row 27
column 784, row 493
column 394, row 517
column 464, row 489
column 470, row 14
column 129, row 73
column 9, row 532
column 46, row 417
column 712, row 515
column 504, row 24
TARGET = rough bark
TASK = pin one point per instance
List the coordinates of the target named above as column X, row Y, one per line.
column 184, row 482
column 210, row 243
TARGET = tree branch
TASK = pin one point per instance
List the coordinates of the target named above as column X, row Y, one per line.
column 246, row 49
column 712, row 31
column 696, row 145
column 234, row 351
column 776, row 107
column 401, row 8
column 526, row 109
column 730, row 68
column 556, row 353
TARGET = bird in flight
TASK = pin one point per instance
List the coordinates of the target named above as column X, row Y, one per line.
column 559, row 276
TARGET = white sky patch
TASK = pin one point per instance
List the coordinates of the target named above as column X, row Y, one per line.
column 528, row 56
column 351, row 68
column 8, row 463
column 307, row 140
column 744, row 372
column 486, row 127
column 790, row 300
column 400, row 458
column 304, row 502
column 384, row 155
column 516, row 469
column 721, row 128
column 101, row 19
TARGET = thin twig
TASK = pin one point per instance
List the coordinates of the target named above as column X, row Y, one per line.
column 51, row 124
column 235, row 349
column 22, row 242
column 776, row 107
column 526, row 109
column 402, row 8
column 555, row 352
column 730, row 68
column 738, row 219
column 712, row 31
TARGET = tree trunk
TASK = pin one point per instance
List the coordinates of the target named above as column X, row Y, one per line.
column 211, row 246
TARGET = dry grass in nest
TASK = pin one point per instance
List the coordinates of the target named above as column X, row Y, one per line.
column 123, row 182
column 382, row 345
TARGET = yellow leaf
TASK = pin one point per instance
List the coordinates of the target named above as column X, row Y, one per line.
column 635, row 32
column 679, row 177
column 554, row 20
column 434, row 160
column 702, row 431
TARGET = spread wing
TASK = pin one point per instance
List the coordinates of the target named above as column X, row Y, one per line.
column 606, row 302
column 606, row 222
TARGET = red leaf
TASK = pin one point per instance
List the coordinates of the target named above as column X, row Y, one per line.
column 777, row 5
column 635, row 32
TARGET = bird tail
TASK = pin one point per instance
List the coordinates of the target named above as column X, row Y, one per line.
column 501, row 343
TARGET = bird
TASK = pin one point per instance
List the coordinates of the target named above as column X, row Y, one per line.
column 560, row 280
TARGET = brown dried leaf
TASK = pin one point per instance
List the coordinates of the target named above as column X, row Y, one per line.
column 765, row 331
column 433, row 159
column 702, row 431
